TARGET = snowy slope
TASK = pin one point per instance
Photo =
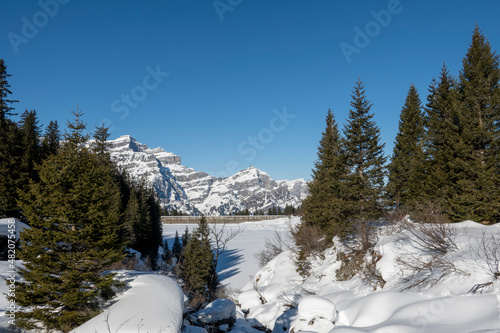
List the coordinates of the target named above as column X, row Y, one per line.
column 152, row 303
column 189, row 191
column 447, row 306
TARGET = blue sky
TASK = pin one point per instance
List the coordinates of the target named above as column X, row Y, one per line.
column 227, row 84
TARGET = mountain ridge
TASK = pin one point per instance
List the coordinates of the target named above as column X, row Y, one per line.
column 196, row 192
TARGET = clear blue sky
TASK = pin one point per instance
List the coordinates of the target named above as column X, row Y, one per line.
column 231, row 69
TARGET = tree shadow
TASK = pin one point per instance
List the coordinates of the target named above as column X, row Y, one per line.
column 227, row 262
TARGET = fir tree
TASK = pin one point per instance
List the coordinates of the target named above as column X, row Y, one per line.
column 73, row 211
column 364, row 156
column 10, row 150
column 477, row 193
column 406, row 170
column 324, row 205
column 177, row 246
column 198, row 269
column 100, row 145
column 51, row 139
column 185, row 237
column 442, row 139
column 32, row 150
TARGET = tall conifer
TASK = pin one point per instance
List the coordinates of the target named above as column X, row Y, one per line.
column 324, row 206
column 73, row 211
column 365, row 160
column 406, row 170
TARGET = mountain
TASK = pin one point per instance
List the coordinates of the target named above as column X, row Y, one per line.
column 195, row 193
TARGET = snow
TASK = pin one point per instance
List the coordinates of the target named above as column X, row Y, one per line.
column 151, row 303
column 278, row 298
column 237, row 264
column 218, row 310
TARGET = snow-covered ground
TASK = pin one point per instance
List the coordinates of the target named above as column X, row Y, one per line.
column 238, row 264
column 279, row 298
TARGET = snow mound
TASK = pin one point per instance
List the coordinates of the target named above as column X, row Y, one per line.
column 315, row 314
column 152, row 303
column 221, row 309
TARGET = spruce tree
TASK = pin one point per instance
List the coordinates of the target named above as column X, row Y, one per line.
column 364, row 157
column 73, row 211
column 324, row 205
column 406, row 170
column 198, row 268
column 442, row 140
column 100, row 145
column 51, row 139
column 177, row 246
column 32, row 150
column 10, row 150
column 477, row 194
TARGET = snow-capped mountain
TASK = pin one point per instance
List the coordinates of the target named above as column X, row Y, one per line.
column 192, row 192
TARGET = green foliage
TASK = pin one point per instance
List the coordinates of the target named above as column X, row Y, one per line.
column 197, row 264
column 363, row 188
column 406, row 170
column 74, row 212
column 32, row 149
column 177, row 246
column 51, row 139
column 324, row 207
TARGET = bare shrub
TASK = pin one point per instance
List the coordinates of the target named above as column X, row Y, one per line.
column 429, row 212
column 358, row 255
column 369, row 272
column 485, row 254
column 311, row 242
column 272, row 247
column 430, row 262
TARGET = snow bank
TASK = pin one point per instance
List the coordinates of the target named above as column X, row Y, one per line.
column 152, row 303
column 221, row 309
column 281, row 300
column 315, row 314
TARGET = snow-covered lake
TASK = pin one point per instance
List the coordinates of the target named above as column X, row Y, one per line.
column 237, row 264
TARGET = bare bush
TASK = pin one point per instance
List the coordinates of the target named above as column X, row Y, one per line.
column 311, row 243
column 430, row 262
column 429, row 212
column 369, row 272
column 485, row 254
column 272, row 247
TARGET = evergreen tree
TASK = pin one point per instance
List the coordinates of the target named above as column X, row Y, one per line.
column 198, row 269
column 477, row 193
column 185, row 237
column 442, row 139
column 73, row 211
column 406, row 170
column 10, row 150
column 32, row 150
column 100, row 145
column 51, row 139
column 177, row 246
column 364, row 156
column 324, row 205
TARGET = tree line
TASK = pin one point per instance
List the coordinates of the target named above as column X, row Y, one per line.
column 445, row 159
column 85, row 215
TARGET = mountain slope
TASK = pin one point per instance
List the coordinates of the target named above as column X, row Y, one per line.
column 194, row 193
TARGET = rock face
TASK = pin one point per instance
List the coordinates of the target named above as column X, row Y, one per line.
column 195, row 193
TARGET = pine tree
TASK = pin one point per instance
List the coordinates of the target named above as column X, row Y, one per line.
column 364, row 156
column 32, row 150
column 10, row 150
column 477, row 194
column 100, row 145
column 185, row 238
column 442, row 140
column 406, row 170
column 73, row 211
column 177, row 246
column 51, row 139
column 324, row 205
column 198, row 269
